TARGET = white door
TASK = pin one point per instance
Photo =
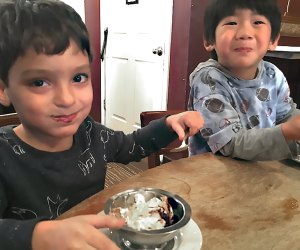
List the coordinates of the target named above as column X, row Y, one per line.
column 134, row 78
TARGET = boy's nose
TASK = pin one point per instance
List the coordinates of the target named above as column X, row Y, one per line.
column 64, row 96
column 244, row 31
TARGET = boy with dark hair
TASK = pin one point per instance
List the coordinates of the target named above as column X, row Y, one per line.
column 244, row 100
column 57, row 156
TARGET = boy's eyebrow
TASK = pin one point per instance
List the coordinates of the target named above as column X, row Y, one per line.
column 43, row 71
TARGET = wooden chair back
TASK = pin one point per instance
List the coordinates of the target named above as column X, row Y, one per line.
column 172, row 151
column 9, row 119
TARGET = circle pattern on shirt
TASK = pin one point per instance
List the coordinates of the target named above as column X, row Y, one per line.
column 214, row 105
column 263, row 94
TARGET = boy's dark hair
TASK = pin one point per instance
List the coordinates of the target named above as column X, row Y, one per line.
column 47, row 26
column 219, row 9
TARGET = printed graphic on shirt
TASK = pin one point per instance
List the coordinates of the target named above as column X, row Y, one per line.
column 269, row 112
column 214, row 105
column 105, row 136
column 88, row 132
column 253, row 121
column 86, row 162
column 270, row 72
column 132, row 150
column 23, row 213
column 206, row 133
column 263, row 94
column 244, row 106
column 55, row 206
column 18, row 150
column 207, row 80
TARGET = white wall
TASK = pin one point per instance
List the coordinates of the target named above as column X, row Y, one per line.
column 77, row 5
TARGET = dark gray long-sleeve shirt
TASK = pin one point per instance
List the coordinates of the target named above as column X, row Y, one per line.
column 37, row 185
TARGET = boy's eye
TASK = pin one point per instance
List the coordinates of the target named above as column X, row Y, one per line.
column 80, row 78
column 231, row 23
column 259, row 22
column 39, row 83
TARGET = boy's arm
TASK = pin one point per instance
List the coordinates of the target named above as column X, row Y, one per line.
column 263, row 144
column 37, row 234
column 189, row 121
column 14, row 234
column 157, row 134
column 260, row 144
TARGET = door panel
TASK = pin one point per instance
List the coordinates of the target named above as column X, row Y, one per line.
column 136, row 79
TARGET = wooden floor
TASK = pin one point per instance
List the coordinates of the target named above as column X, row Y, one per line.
column 117, row 172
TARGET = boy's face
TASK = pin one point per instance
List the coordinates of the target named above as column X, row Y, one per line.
column 241, row 41
column 52, row 94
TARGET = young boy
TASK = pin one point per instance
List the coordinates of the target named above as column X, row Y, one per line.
column 244, row 100
column 57, row 156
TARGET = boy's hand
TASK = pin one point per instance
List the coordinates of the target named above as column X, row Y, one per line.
column 190, row 121
column 291, row 128
column 80, row 232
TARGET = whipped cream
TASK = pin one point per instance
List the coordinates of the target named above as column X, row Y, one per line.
column 155, row 213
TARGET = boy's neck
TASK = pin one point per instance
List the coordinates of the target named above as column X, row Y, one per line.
column 244, row 74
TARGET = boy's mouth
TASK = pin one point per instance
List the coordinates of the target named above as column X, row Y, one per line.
column 243, row 49
column 65, row 118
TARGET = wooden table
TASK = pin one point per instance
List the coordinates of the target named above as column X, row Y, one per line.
column 237, row 204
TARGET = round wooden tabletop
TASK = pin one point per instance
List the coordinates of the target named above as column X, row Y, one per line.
column 236, row 204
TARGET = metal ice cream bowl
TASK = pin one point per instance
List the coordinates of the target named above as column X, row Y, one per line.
column 149, row 239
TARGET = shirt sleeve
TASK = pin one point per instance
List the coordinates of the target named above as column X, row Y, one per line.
column 258, row 144
column 141, row 143
column 210, row 97
column 285, row 102
column 14, row 234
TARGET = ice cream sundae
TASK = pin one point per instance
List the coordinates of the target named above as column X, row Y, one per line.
column 156, row 213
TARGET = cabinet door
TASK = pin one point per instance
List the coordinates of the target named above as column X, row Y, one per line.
column 290, row 10
column 290, row 29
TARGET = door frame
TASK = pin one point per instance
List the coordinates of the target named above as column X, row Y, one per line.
column 166, row 64
column 92, row 14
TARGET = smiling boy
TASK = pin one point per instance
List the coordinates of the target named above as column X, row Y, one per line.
column 244, row 100
column 57, row 156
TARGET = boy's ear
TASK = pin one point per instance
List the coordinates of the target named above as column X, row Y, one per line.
column 273, row 44
column 208, row 46
column 4, row 99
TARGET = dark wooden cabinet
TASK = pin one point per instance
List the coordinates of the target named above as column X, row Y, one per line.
column 290, row 30
column 290, row 36
column 290, row 10
column 290, row 68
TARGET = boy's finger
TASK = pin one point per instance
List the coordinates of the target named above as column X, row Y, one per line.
column 179, row 131
column 103, row 221
column 111, row 221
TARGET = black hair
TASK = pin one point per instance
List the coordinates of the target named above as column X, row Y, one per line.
column 47, row 26
column 217, row 10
